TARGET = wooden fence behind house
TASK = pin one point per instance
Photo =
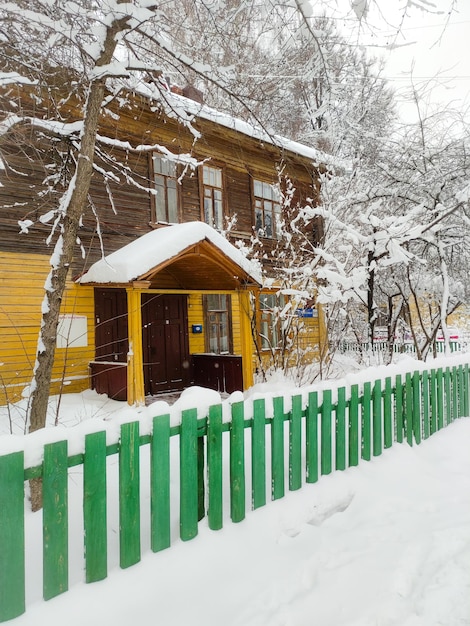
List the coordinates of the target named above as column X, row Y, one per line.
column 321, row 432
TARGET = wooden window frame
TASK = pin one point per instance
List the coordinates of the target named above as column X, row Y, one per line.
column 218, row 312
column 270, row 340
column 261, row 205
column 154, row 208
column 203, row 186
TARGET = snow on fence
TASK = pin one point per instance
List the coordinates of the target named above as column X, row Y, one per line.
column 398, row 348
column 325, row 431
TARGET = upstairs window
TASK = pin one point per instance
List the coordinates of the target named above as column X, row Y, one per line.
column 267, row 209
column 166, row 199
column 218, row 323
column 213, row 197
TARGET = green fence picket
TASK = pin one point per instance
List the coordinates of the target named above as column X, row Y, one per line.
column 455, row 393
column 94, row 507
column 448, row 396
column 55, row 519
column 377, row 418
column 399, row 393
column 214, row 467
column 188, row 475
column 365, row 421
column 237, row 463
column 129, row 495
column 340, row 430
column 326, row 417
column 440, row 399
column 277, row 449
column 417, row 412
column 311, row 437
column 433, row 402
column 258, row 454
column 353, row 423
column 388, row 426
column 466, row 391
column 425, row 403
column 295, row 444
column 12, row 536
column 160, row 535
column 409, row 409
column 461, row 412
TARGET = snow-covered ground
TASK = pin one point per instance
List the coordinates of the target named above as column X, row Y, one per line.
column 383, row 544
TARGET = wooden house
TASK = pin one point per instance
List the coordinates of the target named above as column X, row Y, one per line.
column 157, row 299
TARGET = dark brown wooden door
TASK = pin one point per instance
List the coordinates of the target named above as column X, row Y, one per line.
column 111, row 333
column 165, row 343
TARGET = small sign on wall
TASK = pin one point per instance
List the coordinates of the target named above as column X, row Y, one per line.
column 308, row 312
column 197, row 329
column 72, row 331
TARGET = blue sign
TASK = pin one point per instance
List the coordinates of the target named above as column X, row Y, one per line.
column 197, row 329
column 305, row 312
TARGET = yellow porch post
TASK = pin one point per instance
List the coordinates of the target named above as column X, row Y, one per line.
column 246, row 338
column 135, row 369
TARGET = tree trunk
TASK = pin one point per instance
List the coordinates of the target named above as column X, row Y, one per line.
column 73, row 206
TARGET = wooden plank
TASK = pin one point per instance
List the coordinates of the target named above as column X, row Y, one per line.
column 55, row 519
column 416, row 380
column 326, row 432
column 366, row 424
column 409, row 409
column 440, row 398
column 237, row 463
column 94, row 507
column 425, row 403
column 466, row 384
column 277, row 449
column 340, row 434
column 448, row 396
column 455, row 393
column 258, row 453
column 295, row 444
column 461, row 378
column 388, row 425
column 377, row 418
column 188, row 475
column 399, row 393
column 214, row 467
column 12, row 536
column 353, row 423
column 129, row 495
column 160, row 536
column 311, row 436
column 433, row 402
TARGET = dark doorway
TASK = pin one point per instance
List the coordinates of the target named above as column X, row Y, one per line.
column 111, row 342
column 165, row 343
column 109, row 370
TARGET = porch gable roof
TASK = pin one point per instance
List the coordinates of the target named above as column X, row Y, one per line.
column 151, row 253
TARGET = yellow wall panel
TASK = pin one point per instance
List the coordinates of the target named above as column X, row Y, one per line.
column 21, row 294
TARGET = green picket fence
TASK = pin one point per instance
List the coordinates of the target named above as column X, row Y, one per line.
column 320, row 432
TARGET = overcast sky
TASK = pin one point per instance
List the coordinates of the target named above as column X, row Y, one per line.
column 431, row 45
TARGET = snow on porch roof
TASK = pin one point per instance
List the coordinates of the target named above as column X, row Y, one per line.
column 150, row 250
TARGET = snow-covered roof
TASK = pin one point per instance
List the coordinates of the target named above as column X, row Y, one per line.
column 185, row 106
column 158, row 246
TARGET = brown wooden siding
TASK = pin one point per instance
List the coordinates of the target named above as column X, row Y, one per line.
column 130, row 214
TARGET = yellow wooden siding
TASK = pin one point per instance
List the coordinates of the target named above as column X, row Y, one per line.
column 308, row 345
column 22, row 279
column 196, row 316
column 236, row 329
